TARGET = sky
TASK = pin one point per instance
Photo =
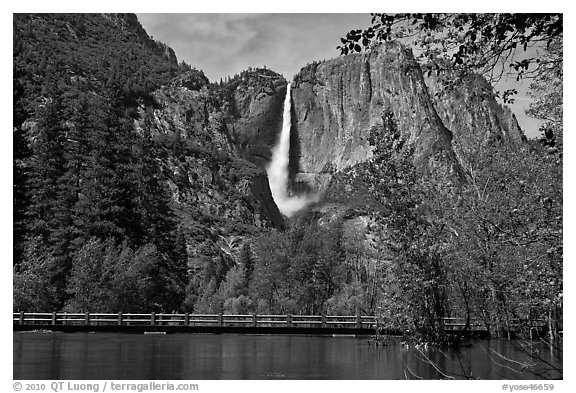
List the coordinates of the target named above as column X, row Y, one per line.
column 225, row 44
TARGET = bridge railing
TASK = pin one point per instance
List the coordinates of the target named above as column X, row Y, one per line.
column 186, row 319
column 254, row 320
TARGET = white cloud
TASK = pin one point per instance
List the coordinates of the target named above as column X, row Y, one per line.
column 225, row 44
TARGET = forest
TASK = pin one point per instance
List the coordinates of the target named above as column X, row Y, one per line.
column 97, row 226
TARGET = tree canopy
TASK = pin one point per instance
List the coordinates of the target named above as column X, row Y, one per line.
column 494, row 45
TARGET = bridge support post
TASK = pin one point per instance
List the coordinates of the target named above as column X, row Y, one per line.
column 187, row 319
column 86, row 318
column 220, row 319
column 153, row 318
column 53, row 318
column 289, row 320
column 323, row 323
column 119, row 319
column 21, row 317
column 359, row 321
column 254, row 320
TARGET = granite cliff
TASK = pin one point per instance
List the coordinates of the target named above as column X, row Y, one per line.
column 334, row 104
column 337, row 101
column 252, row 105
column 209, row 177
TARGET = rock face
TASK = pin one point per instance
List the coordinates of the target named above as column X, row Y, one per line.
column 473, row 115
column 336, row 102
column 208, row 178
column 130, row 22
column 253, row 107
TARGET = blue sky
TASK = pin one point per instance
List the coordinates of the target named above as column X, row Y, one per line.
column 225, row 44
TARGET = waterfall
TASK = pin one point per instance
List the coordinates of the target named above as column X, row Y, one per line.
column 278, row 168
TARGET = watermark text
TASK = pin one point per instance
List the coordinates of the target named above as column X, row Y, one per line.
column 104, row 386
column 527, row 386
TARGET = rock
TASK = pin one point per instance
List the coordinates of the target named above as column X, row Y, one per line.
column 336, row 102
column 255, row 114
column 472, row 113
column 214, row 190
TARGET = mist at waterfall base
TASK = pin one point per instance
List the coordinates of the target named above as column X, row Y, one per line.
column 278, row 168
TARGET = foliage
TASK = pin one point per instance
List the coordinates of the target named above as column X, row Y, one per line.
column 94, row 178
column 493, row 45
column 547, row 92
column 295, row 271
column 509, row 225
column 32, row 288
column 106, row 277
column 76, row 52
column 208, row 302
column 81, row 172
column 350, row 300
column 417, row 266
column 298, row 272
column 488, row 249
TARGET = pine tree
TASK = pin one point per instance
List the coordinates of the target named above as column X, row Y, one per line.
column 21, row 154
column 246, row 259
column 94, row 204
column 47, row 167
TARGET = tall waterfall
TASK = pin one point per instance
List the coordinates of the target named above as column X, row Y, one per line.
column 278, row 168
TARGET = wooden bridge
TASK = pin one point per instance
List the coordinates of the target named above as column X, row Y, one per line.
column 194, row 323
column 213, row 323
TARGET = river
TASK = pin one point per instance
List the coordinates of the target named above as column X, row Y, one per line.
column 229, row 356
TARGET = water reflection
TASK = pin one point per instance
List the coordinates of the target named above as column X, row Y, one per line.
column 193, row 357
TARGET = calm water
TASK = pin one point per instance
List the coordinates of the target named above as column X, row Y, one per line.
column 228, row 356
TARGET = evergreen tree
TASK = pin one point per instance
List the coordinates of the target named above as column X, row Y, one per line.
column 47, row 218
column 246, row 259
column 21, row 153
column 156, row 216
